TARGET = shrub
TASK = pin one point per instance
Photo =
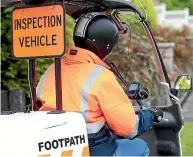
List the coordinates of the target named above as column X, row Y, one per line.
column 136, row 61
column 14, row 72
column 183, row 46
column 133, row 20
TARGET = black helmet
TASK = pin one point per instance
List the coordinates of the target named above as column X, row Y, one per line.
column 97, row 33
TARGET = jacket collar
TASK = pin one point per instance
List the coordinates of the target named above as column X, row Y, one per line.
column 77, row 55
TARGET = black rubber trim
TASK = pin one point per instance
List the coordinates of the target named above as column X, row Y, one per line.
column 56, row 112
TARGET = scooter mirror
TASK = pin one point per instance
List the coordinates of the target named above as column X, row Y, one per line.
column 183, row 82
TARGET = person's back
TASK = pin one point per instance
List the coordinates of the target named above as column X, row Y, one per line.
column 81, row 81
column 85, row 81
column 90, row 88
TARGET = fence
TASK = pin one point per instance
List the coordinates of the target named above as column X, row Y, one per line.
column 174, row 18
column 190, row 21
column 14, row 100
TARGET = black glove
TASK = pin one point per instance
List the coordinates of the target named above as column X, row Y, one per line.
column 157, row 113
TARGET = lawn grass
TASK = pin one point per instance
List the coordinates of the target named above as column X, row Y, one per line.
column 187, row 139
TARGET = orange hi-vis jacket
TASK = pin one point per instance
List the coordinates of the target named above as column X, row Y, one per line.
column 88, row 87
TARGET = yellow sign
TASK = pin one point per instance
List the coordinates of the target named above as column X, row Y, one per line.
column 38, row 31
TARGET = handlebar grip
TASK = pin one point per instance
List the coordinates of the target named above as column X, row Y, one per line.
column 142, row 95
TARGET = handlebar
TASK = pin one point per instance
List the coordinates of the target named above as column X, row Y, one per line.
column 134, row 90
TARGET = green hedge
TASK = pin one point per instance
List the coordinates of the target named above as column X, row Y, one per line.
column 179, row 4
column 14, row 72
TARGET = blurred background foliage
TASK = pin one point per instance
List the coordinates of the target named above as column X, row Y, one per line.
column 134, row 51
column 14, row 72
column 183, row 40
column 128, row 44
column 147, row 6
column 148, row 9
column 180, row 37
column 134, row 59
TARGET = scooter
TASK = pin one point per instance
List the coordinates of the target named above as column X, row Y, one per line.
column 59, row 133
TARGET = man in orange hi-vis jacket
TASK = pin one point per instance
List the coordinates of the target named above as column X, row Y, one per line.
column 89, row 87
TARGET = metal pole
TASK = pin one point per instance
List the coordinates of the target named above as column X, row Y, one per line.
column 58, row 83
column 32, row 82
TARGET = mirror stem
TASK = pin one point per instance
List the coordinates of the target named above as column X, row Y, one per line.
column 174, row 91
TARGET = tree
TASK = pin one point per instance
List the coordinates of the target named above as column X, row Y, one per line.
column 148, row 9
column 179, row 5
column 14, row 72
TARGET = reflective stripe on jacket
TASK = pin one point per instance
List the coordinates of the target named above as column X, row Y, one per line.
column 90, row 88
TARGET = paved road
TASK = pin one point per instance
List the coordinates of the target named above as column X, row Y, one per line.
column 188, row 109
